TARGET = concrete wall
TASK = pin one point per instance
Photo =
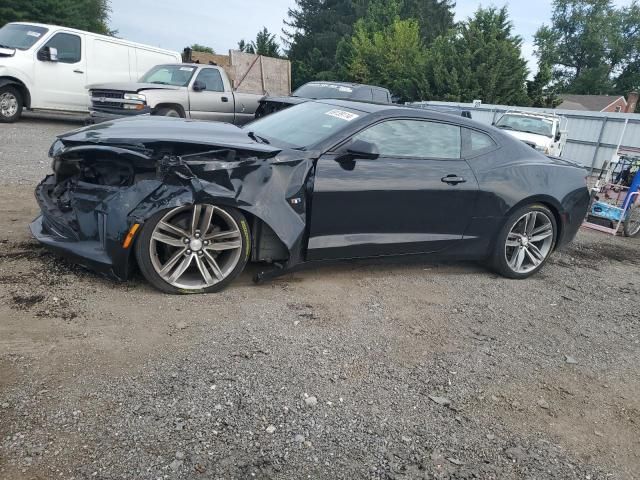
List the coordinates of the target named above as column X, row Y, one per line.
column 593, row 139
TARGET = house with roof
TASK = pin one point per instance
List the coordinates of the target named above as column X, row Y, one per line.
column 600, row 103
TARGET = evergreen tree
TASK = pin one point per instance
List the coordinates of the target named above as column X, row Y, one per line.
column 312, row 33
column 480, row 59
column 385, row 50
column 264, row 44
column 89, row 15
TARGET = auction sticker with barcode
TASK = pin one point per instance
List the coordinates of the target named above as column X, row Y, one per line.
column 348, row 116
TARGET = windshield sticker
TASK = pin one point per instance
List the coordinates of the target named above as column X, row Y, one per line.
column 342, row 115
column 345, row 89
column 186, row 69
column 34, row 34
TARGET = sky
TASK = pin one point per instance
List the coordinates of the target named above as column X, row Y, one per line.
column 220, row 24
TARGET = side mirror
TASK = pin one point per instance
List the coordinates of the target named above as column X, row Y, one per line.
column 199, row 86
column 558, row 136
column 48, row 54
column 362, row 149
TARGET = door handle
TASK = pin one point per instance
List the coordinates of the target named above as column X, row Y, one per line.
column 78, row 71
column 453, row 179
column 224, row 99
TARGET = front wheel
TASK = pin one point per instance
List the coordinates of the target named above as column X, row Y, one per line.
column 193, row 249
column 525, row 242
column 168, row 112
column 11, row 104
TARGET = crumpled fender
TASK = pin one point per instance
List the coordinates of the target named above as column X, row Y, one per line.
column 255, row 186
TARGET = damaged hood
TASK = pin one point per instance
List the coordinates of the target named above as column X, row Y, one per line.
column 142, row 130
column 131, row 86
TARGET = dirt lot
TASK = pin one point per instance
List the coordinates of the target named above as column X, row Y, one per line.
column 351, row 371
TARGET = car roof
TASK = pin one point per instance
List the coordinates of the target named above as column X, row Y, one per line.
column 344, row 84
column 393, row 109
column 122, row 41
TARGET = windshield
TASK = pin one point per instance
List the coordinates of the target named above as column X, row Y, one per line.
column 323, row 90
column 523, row 123
column 303, row 125
column 176, row 75
column 21, row 37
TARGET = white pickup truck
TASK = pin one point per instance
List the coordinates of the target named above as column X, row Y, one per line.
column 544, row 132
column 187, row 90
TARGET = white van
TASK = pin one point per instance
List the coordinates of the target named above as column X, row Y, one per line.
column 46, row 67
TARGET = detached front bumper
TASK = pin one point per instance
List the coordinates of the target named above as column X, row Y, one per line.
column 88, row 254
column 91, row 227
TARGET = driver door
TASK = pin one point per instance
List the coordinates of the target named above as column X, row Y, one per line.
column 212, row 103
column 416, row 197
column 61, row 83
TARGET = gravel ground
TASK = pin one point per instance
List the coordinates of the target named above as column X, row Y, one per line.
column 435, row 371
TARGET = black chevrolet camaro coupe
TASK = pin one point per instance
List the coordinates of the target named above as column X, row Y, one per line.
column 190, row 203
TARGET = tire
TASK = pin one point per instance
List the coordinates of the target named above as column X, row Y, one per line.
column 176, row 256
column 11, row 104
column 521, row 243
column 631, row 226
column 169, row 112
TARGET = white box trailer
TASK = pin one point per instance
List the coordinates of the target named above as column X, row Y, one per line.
column 47, row 67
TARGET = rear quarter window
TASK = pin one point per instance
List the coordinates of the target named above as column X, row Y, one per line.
column 475, row 142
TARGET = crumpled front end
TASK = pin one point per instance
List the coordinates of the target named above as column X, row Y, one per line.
column 99, row 191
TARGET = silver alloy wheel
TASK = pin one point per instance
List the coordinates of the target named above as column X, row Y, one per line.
column 8, row 104
column 172, row 114
column 632, row 223
column 195, row 246
column 529, row 242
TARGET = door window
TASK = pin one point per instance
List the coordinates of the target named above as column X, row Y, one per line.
column 380, row 96
column 414, row 138
column 212, row 79
column 68, row 46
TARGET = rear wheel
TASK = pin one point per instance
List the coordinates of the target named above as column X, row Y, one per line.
column 525, row 242
column 193, row 249
column 11, row 104
column 632, row 222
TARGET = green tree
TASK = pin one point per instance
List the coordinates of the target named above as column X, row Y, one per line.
column 385, row 50
column 592, row 46
column 318, row 32
column 312, row 33
column 435, row 17
column 541, row 91
column 89, row 15
column 480, row 59
column 196, row 47
column 264, row 44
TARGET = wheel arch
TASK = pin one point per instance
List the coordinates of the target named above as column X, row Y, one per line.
column 260, row 243
column 175, row 106
column 547, row 201
column 22, row 88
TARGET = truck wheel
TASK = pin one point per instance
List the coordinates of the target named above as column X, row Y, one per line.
column 10, row 104
column 168, row 112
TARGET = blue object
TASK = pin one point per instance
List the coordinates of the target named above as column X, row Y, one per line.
column 635, row 185
column 605, row 210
